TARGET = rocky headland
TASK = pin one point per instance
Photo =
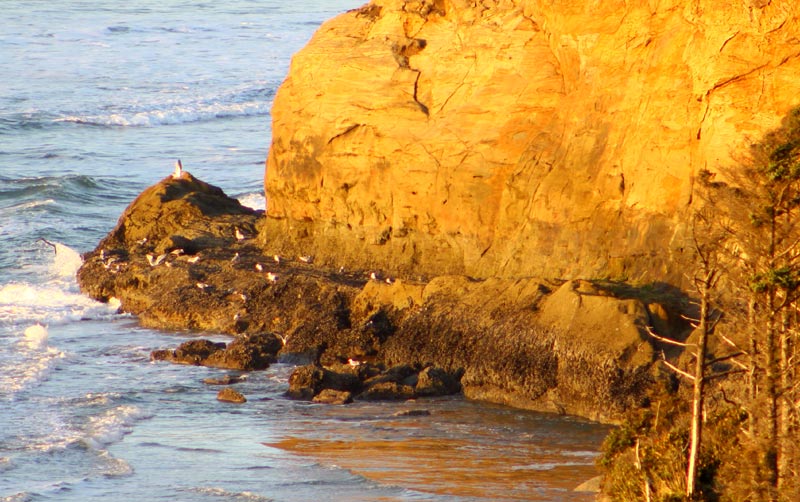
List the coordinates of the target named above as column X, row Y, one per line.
column 186, row 256
column 494, row 190
column 482, row 197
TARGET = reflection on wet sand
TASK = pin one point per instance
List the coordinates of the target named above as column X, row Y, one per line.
column 461, row 449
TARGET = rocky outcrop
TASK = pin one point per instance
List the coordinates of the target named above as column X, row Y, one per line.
column 246, row 353
column 231, row 396
column 519, row 138
column 342, row 383
column 566, row 346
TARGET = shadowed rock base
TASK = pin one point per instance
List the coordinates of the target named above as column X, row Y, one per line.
column 174, row 260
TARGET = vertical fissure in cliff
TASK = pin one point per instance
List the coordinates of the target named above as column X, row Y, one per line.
column 402, row 53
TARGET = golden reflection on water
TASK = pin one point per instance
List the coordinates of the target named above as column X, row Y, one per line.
column 492, row 454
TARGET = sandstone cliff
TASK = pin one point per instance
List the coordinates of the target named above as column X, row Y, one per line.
column 519, row 138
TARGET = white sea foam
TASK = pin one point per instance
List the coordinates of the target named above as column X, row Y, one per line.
column 66, row 262
column 229, row 495
column 254, row 200
column 18, row 497
column 23, row 303
column 547, row 466
column 56, row 300
column 114, row 467
column 6, row 464
column 171, row 115
column 36, row 336
column 33, row 204
column 31, row 360
column 111, row 426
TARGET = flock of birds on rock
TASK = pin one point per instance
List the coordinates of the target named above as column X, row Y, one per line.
column 111, row 261
column 113, row 264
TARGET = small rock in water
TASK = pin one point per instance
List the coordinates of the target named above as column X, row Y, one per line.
column 224, row 380
column 333, row 396
column 231, row 396
column 412, row 413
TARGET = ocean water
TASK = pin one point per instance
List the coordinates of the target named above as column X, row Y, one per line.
column 97, row 100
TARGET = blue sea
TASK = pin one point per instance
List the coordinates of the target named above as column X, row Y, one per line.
column 97, row 100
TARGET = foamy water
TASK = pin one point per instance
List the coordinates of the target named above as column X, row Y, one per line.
column 254, row 201
column 55, row 299
column 97, row 100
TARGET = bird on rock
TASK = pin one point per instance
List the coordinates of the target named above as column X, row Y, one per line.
column 178, row 173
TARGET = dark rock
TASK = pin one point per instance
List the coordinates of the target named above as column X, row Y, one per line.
column 246, row 353
column 305, row 382
column 433, row 381
column 380, row 325
column 343, row 381
column 223, row 380
column 230, row 395
column 193, row 352
column 412, row 413
column 401, row 374
column 332, row 396
column 386, row 391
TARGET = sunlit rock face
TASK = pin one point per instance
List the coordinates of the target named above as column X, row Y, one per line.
column 503, row 138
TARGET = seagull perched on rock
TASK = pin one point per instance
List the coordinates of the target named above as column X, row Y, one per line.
column 276, row 259
column 259, row 267
column 153, row 261
column 272, row 277
column 235, row 257
column 306, row 259
column 178, row 172
column 193, row 259
column 239, row 235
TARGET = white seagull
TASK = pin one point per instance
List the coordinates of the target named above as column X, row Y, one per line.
column 153, row 261
column 178, row 173
column 259, row 267
column 271, row 277
column 306, row 259
column 276, row 259
column 239, row 235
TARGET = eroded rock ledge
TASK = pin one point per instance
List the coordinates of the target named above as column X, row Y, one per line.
column 174, row 259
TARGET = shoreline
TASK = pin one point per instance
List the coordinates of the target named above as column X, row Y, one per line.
column 527, row 343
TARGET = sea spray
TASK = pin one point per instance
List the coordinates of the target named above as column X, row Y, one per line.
column 28, row 362
column 57, row 299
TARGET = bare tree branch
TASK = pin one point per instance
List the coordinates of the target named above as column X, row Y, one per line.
column 676, row 369
column 724, row 374
column 667, row 340
column 724, row 358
